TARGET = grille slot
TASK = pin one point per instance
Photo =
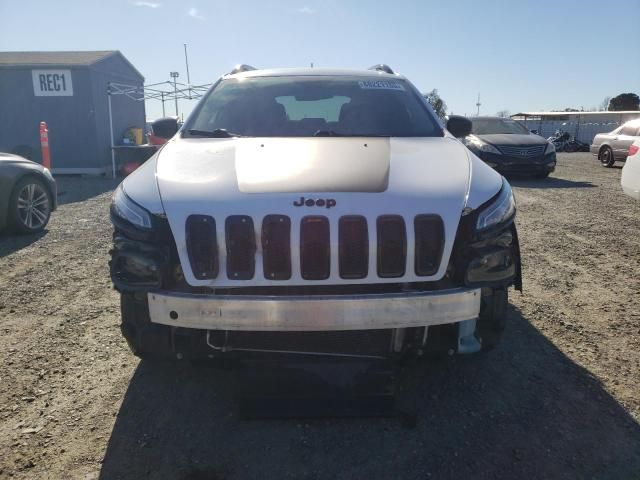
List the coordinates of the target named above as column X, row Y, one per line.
column 241, row 247
column 276, row 247
column 202, row 246
column 392, row 246
column 429, row 243
column 523, row 151
column 353, row 247
column 315, row 252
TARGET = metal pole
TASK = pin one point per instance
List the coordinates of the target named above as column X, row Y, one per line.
column 175, row 95
column 186, row 61
column 113, row 153
column 162, row 96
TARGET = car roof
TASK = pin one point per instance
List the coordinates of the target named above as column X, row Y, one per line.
column 315, row 72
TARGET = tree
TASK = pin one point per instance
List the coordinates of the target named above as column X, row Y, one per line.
column 624, row 101
column 437, row 103
column 503, row 113
column 605, row 104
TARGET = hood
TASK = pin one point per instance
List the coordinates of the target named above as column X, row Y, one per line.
column 341, row 176
column 513, row 139
column 9, row 158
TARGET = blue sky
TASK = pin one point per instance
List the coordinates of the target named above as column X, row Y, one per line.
column 519, row 55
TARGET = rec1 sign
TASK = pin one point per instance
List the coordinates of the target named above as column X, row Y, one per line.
column 52, row 83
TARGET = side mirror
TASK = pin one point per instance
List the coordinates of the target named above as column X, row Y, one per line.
column 165, row 127
column 459, row 126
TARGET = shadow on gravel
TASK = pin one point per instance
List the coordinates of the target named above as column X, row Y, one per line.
column 523, row 410
column 549, row 182
column 10, row 243
column 77, row 188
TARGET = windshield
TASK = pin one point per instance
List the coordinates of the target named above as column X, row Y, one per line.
column 314, row 106
column 492, row 126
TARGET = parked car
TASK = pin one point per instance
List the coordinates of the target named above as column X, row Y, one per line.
column 614, row 146
column 27, row 194
column 630, row 179
column 510, row 148
column 314, row 212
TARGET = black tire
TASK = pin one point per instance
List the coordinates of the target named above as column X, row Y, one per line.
column 30, row 206
column 606, row 157
column 542, row 176
column 493, row 317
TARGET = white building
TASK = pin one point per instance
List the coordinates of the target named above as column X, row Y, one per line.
column 582, row 125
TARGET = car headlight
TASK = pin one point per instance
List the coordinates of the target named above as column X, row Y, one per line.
column 474, row 143
column 125, row 208
column 502, row 209
column 550, row 148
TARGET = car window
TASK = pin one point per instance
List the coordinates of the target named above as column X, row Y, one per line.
column 493, row 126
column 299, row 106
column 629, row 130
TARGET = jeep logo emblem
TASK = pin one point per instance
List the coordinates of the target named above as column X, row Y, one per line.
column 310, row 202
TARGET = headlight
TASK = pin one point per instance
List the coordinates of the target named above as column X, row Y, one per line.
column 474, row 143
column 501, row 210
column 128, row 210
column 550, row 148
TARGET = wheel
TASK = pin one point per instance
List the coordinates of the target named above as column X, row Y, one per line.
column 30, row 206
column 493, row 316
column 542, row 176
column 606, row 157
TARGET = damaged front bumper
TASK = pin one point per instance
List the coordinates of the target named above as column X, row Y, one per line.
column 315, row 313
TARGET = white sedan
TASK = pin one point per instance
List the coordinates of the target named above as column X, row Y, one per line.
column 631, row 172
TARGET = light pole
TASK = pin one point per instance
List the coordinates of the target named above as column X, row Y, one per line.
column 175, row 76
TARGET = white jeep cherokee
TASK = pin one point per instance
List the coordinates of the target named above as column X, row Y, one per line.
column 313, row 212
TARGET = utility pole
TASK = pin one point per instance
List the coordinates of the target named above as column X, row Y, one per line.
column 186, row 61
column 175, row 76
column 478, row 105
column 162, row 97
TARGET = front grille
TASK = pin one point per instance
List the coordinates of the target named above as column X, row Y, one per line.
column 315, row 251
column 353, row 257
column 522, row 151
column 392, row 246
column 241, row 247
column 202, row 246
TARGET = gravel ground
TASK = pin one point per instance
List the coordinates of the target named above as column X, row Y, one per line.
column 559, row 398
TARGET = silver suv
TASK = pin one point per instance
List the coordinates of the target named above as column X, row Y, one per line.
column 314, row 212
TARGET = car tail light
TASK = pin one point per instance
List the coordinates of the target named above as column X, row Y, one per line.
column 202, row 246
column 633, row 149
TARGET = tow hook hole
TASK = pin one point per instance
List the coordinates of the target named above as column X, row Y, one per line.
column 173, row 314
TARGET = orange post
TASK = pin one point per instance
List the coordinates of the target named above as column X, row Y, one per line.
column 44, row 144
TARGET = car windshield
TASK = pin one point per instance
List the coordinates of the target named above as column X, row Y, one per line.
column 493, row 126
column 298, row 106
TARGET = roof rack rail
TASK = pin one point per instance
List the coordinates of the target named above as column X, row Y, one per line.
column 382, row 67
column 241, row 68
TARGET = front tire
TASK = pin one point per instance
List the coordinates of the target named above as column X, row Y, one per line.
column 493, row 317
column 542, row 176
column 30, row 206
column 606, row 157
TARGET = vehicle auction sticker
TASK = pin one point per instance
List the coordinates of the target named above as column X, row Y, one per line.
column 380, row 85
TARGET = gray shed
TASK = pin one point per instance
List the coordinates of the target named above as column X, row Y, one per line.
column 68, row 90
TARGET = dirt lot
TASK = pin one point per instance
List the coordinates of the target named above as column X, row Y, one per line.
column 560, row 397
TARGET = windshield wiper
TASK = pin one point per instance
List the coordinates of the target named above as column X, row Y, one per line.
column 217, row 133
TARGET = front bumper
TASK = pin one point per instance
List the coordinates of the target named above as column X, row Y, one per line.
column 506, row 164
column 313, row 313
